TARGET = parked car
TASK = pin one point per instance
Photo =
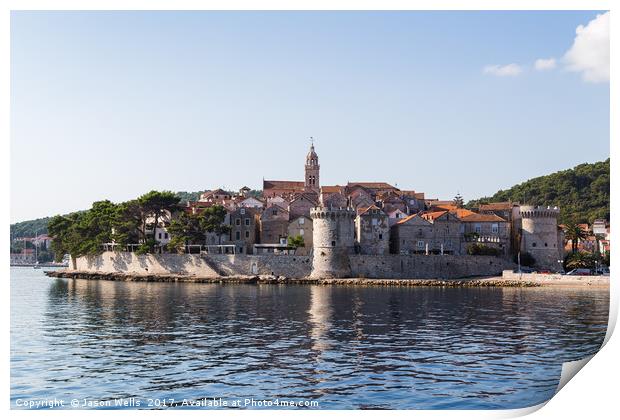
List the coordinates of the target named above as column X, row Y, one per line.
column 580, row 272
column 603, row 271
column 525, row 270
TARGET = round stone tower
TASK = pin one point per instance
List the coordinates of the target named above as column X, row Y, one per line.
column 333, row 239
column 539, row 235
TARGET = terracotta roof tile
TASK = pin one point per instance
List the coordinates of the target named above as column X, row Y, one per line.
column 475, row 217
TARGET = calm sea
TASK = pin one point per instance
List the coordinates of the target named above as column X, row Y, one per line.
column 330, row 347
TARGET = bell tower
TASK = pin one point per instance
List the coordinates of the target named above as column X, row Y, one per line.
column 312, row 167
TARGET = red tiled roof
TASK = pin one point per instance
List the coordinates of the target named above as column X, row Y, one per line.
column 365, row 209
column 283, row 185
column 331, row 189
column 475, row 217
column 432, row 215
column 505, row 205
column 372, row 185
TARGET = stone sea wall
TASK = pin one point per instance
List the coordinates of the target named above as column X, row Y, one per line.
column 213, row 266
column 426, row 266
column 292, row 266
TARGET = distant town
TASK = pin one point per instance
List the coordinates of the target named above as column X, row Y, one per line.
column 386, row 220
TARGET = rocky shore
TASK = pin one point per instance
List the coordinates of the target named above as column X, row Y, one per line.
column 269, row 279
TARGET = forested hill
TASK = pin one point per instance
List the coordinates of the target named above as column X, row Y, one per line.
column 582, row 193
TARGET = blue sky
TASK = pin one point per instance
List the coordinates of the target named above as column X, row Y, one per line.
column 114, row 104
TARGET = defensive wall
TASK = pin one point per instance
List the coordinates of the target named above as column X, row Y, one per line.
column 293, row 266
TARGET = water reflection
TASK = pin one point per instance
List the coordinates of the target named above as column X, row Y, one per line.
column 346, row 347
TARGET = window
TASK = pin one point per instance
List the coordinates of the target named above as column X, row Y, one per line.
column 301, row 232
column 159, row 235
column 274, row 212
column 302, row 221
column 238, row 222
column 242, row 211
column 165, row 235
column 495, row 228
column 546, row 244
column 247, row 233
column 237, row 235
column 240, row 250
column 420, row 244
column 477, row 228
column 462, row 228
column 375, row 222
column 533, row 244
column 247, row 222
column 381, row 236
column 333, row 243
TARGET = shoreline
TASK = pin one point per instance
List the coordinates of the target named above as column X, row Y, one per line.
column 491, row 281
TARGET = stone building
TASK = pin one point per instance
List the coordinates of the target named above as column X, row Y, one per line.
column 427, row 233
column 446, row 232
column 273, row 224
column 540, row 236
column 302, row 226
column 301, row 204
column 335, row 201
column 333, row 240
column 372, row 232
column 411, row 235
column 488, row 230
column 244, row 229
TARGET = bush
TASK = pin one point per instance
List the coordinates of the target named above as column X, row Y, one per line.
column 478, row 249
column 579, row 260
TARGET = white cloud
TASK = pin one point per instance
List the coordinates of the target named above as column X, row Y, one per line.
column 545, row 64
column 507, row 70
column 590, row 51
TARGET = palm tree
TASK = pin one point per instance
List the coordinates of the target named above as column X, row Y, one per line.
column 574, row 232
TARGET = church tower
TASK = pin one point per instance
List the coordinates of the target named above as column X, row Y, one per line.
column 311, row 182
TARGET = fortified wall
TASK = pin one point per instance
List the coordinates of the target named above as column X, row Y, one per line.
column 295, row 267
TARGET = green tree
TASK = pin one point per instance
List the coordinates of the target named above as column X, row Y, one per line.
column 579, row 260
column 296, row 241
column 574, row 233
column 186, row 229
column 582, row 193
column 155, row 206
column 458, row 201
column 213, row 221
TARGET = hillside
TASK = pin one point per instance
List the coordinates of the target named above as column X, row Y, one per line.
column 582, row 193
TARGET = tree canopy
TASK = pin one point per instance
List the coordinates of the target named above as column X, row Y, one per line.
column 582, row 193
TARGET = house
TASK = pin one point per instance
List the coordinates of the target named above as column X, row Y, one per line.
column 486, row 229
column 244, row 229
column 251, row 202
column 411, row 235
column 446, row 232
column 336, row 201
column 301, row 204
column 301, row 226
column 372, row 231
column 274, row 222
column 395, row 216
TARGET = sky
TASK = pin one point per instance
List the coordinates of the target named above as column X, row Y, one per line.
column 110, row 105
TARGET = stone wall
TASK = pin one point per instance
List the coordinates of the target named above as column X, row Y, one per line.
column 211, row 266
column 426, row 266
column 294, row 266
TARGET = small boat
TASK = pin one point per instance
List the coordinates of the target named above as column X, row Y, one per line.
column 36, row 266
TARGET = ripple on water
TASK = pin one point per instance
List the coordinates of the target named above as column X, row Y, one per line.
column 346, row 347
